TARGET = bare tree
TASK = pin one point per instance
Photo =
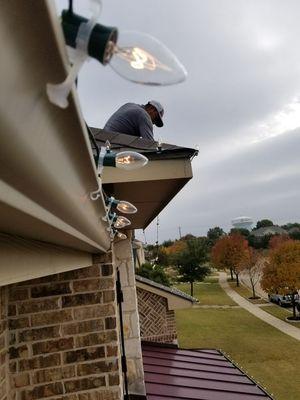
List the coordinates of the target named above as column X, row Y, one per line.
column 253, row 266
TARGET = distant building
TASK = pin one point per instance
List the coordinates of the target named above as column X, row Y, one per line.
column 269, row 230
column 294, row 230
column 242, row 223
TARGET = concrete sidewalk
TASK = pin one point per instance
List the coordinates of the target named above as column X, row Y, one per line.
column 253, row 309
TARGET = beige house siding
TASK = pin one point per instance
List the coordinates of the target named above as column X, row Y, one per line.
column 63, row 336
column 157, row 322
column 47, row 168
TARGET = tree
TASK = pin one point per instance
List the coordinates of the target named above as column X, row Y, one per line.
column 281, row 273
column 162, row 257
column 167, row 243
column 294, row 233
column 253, row 267
column 259, row 242
column 154, row 272
column 230, row 252
column 214, row 234
column 157, row 254
column 276, row 240
column 177, row 247
column 242, row 231
column 290, row 225
column 190, row 261
column 263, row 223
column 187, row 237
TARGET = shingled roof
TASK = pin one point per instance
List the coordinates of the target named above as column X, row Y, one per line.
column 172, row 290
column 122, row 142
column 207, row 374
column 269, row 230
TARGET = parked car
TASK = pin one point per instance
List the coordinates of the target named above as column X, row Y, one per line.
column 283, row 300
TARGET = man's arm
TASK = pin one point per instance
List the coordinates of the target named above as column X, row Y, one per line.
column 145, row 127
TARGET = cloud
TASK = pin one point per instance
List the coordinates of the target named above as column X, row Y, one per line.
column 242, row 91
column 261, row 181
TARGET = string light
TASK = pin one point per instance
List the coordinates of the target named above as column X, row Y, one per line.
column 121, row 235
column 137, row 57
column 128, row 160
column 121, row 205
column 126, row 207
column 121, row 222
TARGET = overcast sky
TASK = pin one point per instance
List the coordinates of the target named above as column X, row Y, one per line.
column 240, row 104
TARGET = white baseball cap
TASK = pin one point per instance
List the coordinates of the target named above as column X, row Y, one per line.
column 160, row 110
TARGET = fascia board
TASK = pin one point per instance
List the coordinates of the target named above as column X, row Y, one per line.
column 154, row 170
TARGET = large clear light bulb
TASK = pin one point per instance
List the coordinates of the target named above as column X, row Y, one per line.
column 140, row 58
column 121, row 222
column 126, row 207
column 130, row 160
column 135, row 56
column 121, row 235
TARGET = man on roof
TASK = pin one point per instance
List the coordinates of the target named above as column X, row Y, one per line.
column 136, row 120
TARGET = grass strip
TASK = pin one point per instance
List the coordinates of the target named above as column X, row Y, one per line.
column 208, row 292
column 280, row 313
column 245, row 292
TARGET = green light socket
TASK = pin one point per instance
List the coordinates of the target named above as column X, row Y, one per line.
column 109, row 159
column 101, row 37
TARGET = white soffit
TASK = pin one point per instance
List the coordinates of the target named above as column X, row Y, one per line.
column 149, row 188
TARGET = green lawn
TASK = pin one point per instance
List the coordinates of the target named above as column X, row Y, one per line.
column 245, row 292
column 265, row 353
column 268, row 355
column 274, row 310
column 280, row 313
column 208, row 292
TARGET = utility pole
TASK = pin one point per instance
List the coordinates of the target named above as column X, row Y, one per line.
column 179, row 229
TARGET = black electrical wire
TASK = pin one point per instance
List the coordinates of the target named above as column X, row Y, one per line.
column 71, row 6
column 145, row 238
column 94, row 143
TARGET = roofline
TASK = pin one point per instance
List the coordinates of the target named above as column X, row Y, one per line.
column 169, row 153
column 166, row 289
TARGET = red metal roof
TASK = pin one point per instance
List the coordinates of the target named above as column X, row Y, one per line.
column 177, row 374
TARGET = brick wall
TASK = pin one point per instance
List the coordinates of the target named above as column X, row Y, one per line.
column 63, row 336
column 4, row 379
column 157, row 322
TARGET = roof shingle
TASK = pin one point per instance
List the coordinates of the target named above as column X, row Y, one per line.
column 122, row 142
column 167, row 289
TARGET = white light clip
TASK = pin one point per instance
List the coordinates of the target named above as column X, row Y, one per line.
column 103, row 151
column 96, row 194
